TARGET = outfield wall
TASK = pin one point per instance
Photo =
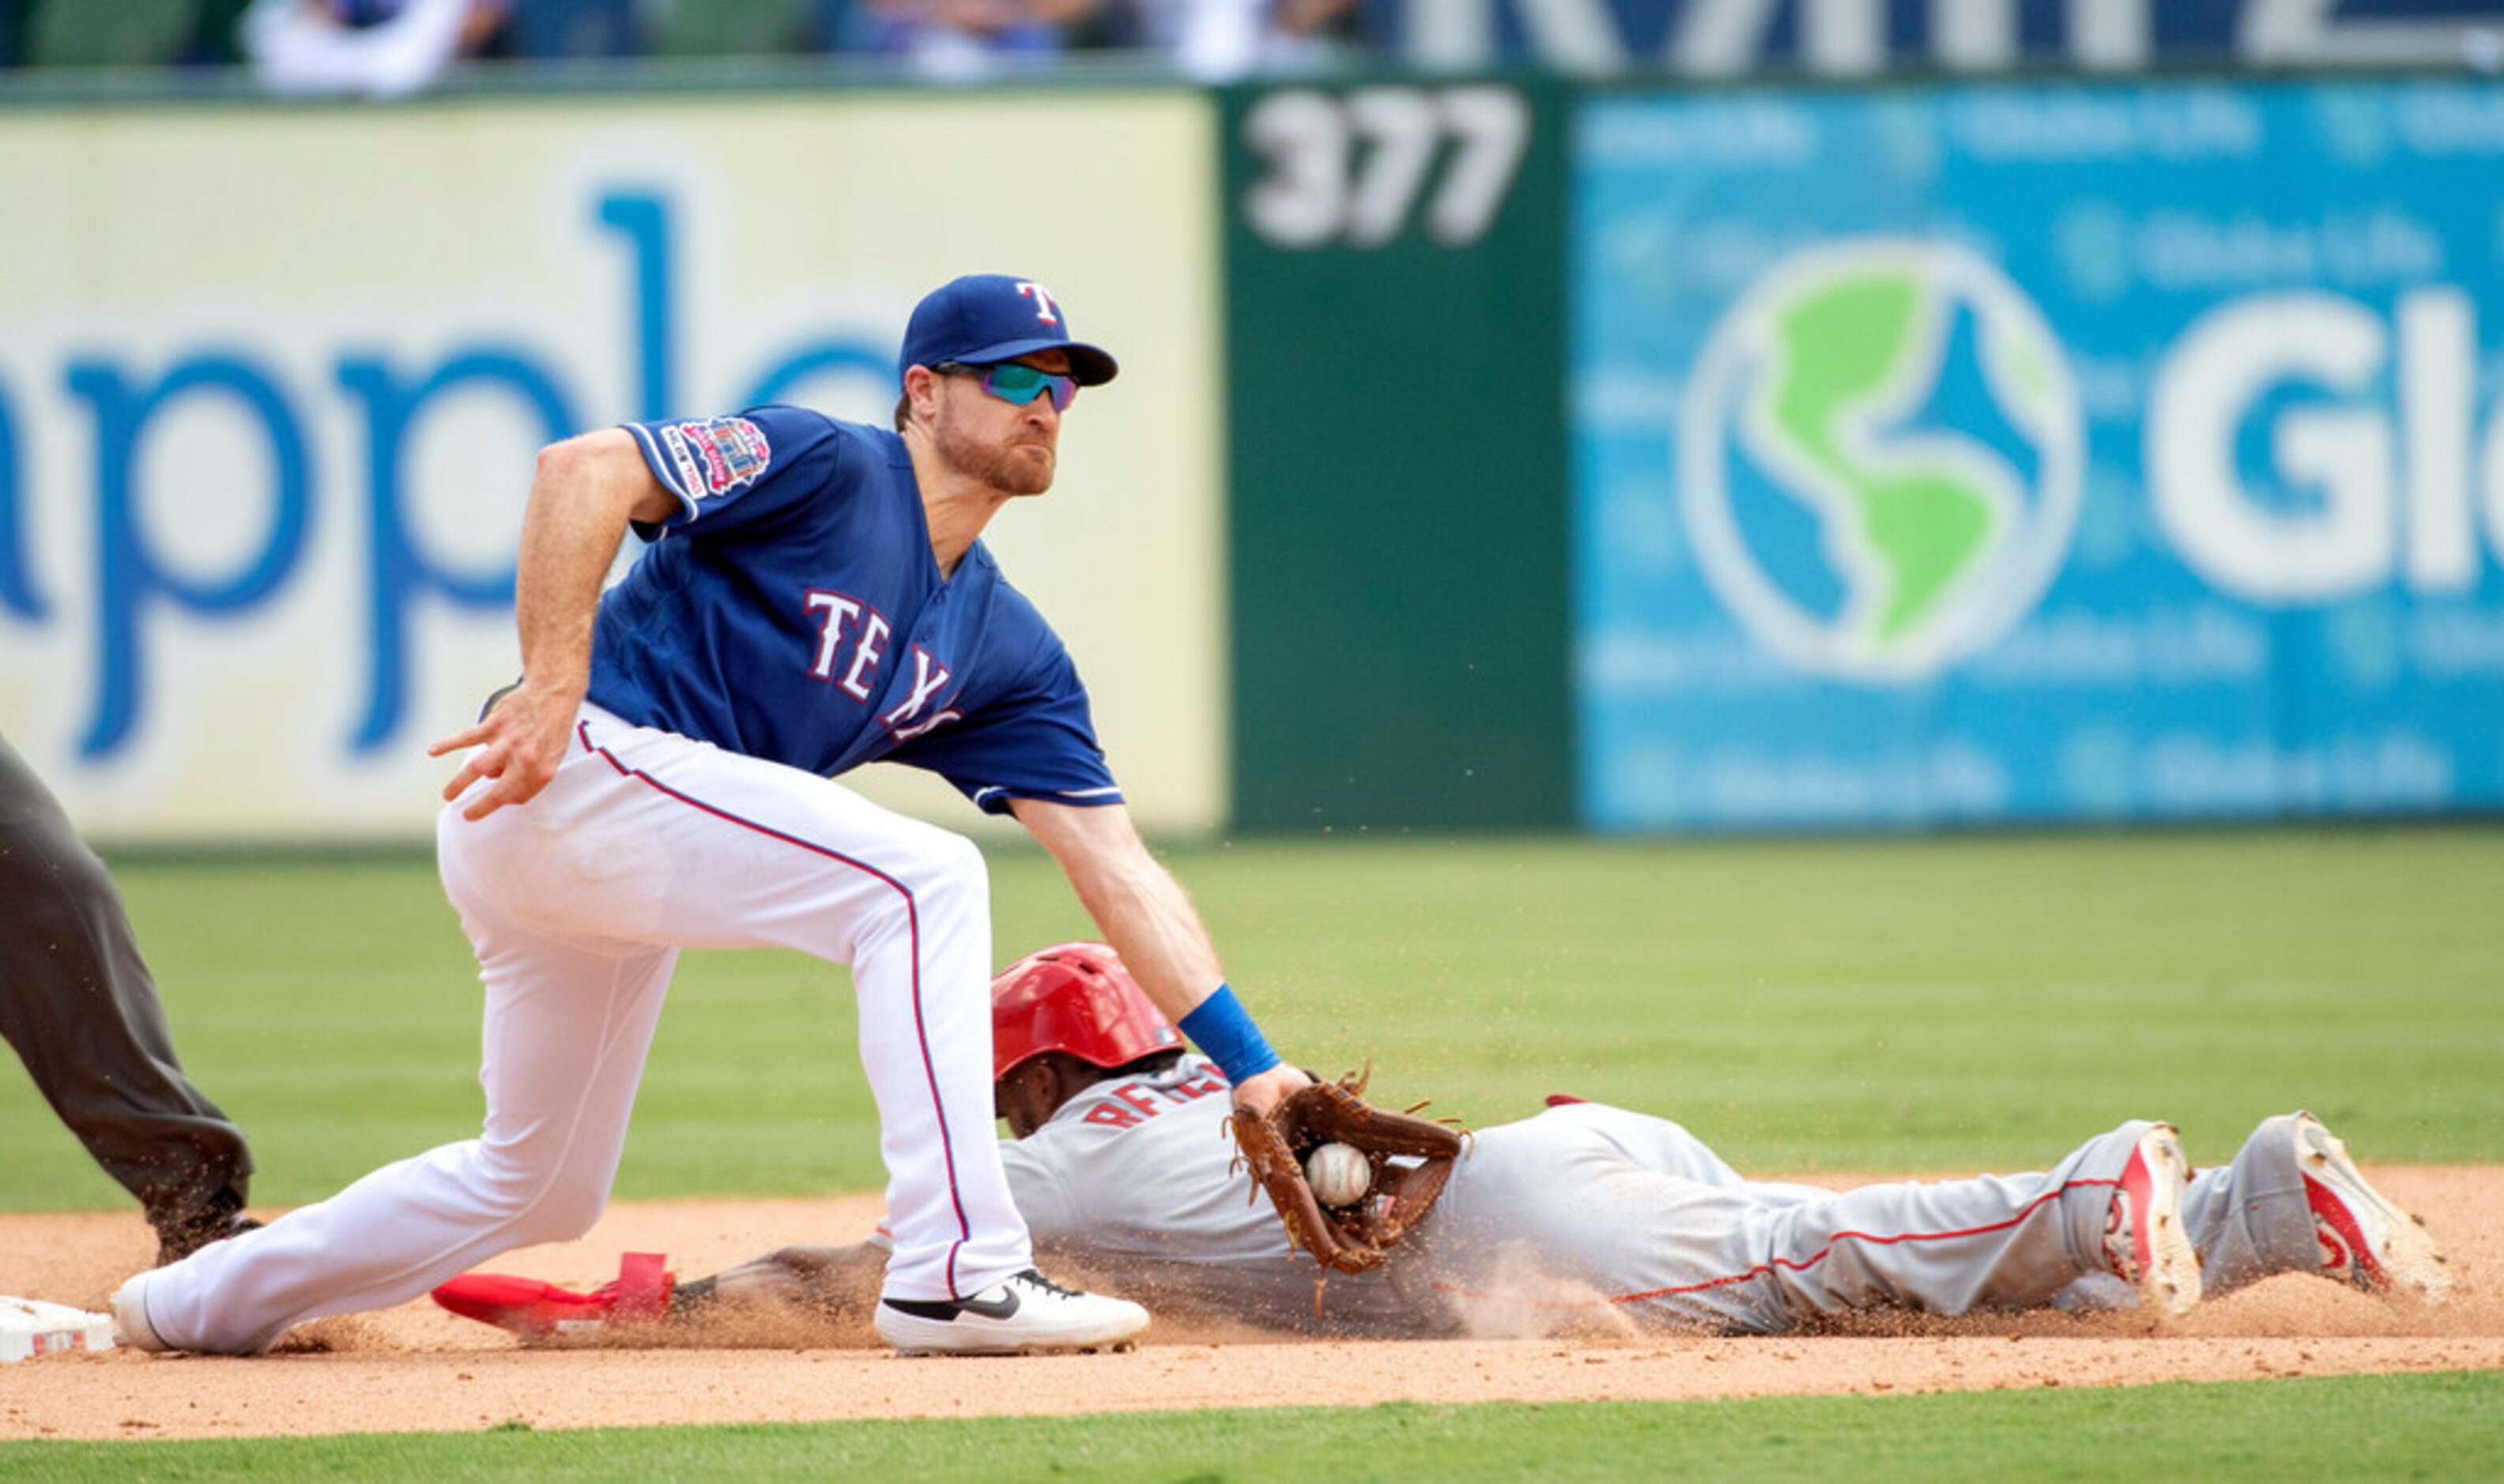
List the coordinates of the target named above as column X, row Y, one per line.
column 2043, row 452
column 1396, row 320
column 271, row 380
column 1982, row 454
column 1492, row 453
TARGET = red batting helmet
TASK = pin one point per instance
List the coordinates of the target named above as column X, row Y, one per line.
column 1074, row 997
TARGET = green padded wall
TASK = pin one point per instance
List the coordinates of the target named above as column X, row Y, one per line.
column 1398, row 457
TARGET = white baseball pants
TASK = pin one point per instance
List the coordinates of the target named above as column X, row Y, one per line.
column 577, row 904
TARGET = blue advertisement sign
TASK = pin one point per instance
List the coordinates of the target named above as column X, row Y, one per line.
column 2046, row 453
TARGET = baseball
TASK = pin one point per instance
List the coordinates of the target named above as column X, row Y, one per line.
column 1339, row 1174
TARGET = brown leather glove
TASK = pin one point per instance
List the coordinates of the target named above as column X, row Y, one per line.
column 1351, row 1238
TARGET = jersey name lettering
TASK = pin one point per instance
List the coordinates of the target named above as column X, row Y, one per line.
column 1131, row 1104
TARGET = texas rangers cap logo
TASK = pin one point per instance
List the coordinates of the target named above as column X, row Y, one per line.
column 716, row 456
column 983, row 319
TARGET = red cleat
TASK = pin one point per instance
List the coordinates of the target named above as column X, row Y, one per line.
column 538, row 1311
column 2365, row 1240
column 2145, row 1241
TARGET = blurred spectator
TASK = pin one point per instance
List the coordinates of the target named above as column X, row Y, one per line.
column 1218, row 41
column 375, row 48
column 965, row 40
column 385, row 49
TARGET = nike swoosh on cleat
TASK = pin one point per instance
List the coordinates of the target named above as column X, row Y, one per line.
column 997, row 1309
column 946, row 1310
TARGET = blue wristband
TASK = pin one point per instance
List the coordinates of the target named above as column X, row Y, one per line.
column 1223, row 1030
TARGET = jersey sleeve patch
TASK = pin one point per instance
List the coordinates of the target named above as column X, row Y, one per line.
column 714, row 456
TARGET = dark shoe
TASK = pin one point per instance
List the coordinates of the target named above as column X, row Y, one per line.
column 177, row 1240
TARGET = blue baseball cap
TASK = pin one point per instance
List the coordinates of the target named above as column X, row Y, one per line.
column 984, row 318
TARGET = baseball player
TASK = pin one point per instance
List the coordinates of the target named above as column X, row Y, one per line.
column 79, row 1008
column 1119, row 1164
column 816, row 596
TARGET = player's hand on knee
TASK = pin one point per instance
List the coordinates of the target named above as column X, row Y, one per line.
column 518, row 744
column 1261, row 1093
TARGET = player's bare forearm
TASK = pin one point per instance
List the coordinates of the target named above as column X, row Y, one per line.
column 585, row 491
column 1145, row 914
column 1136, row 903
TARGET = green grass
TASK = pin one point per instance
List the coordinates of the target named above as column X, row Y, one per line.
column 1927, row 1004
column 1973, row 1002
column 2433, row 1427
column 1935, row 1004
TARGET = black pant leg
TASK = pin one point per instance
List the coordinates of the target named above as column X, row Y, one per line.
column 78, row 1005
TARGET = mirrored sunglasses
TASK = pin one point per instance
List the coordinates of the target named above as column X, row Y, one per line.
column 1016, row 382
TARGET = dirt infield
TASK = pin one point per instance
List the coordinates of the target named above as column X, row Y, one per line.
column 415, row 1368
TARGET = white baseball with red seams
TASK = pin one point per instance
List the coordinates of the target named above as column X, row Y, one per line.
column 1338, row 1174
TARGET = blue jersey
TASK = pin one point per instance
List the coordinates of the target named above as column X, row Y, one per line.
column 792, row 611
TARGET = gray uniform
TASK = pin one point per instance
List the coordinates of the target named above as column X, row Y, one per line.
column 76, row 1002
column 1588, row 1211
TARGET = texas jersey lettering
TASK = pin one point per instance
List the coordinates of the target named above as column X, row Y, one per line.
column 809, row 644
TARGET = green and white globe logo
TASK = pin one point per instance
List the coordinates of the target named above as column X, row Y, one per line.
column 1912, row 404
